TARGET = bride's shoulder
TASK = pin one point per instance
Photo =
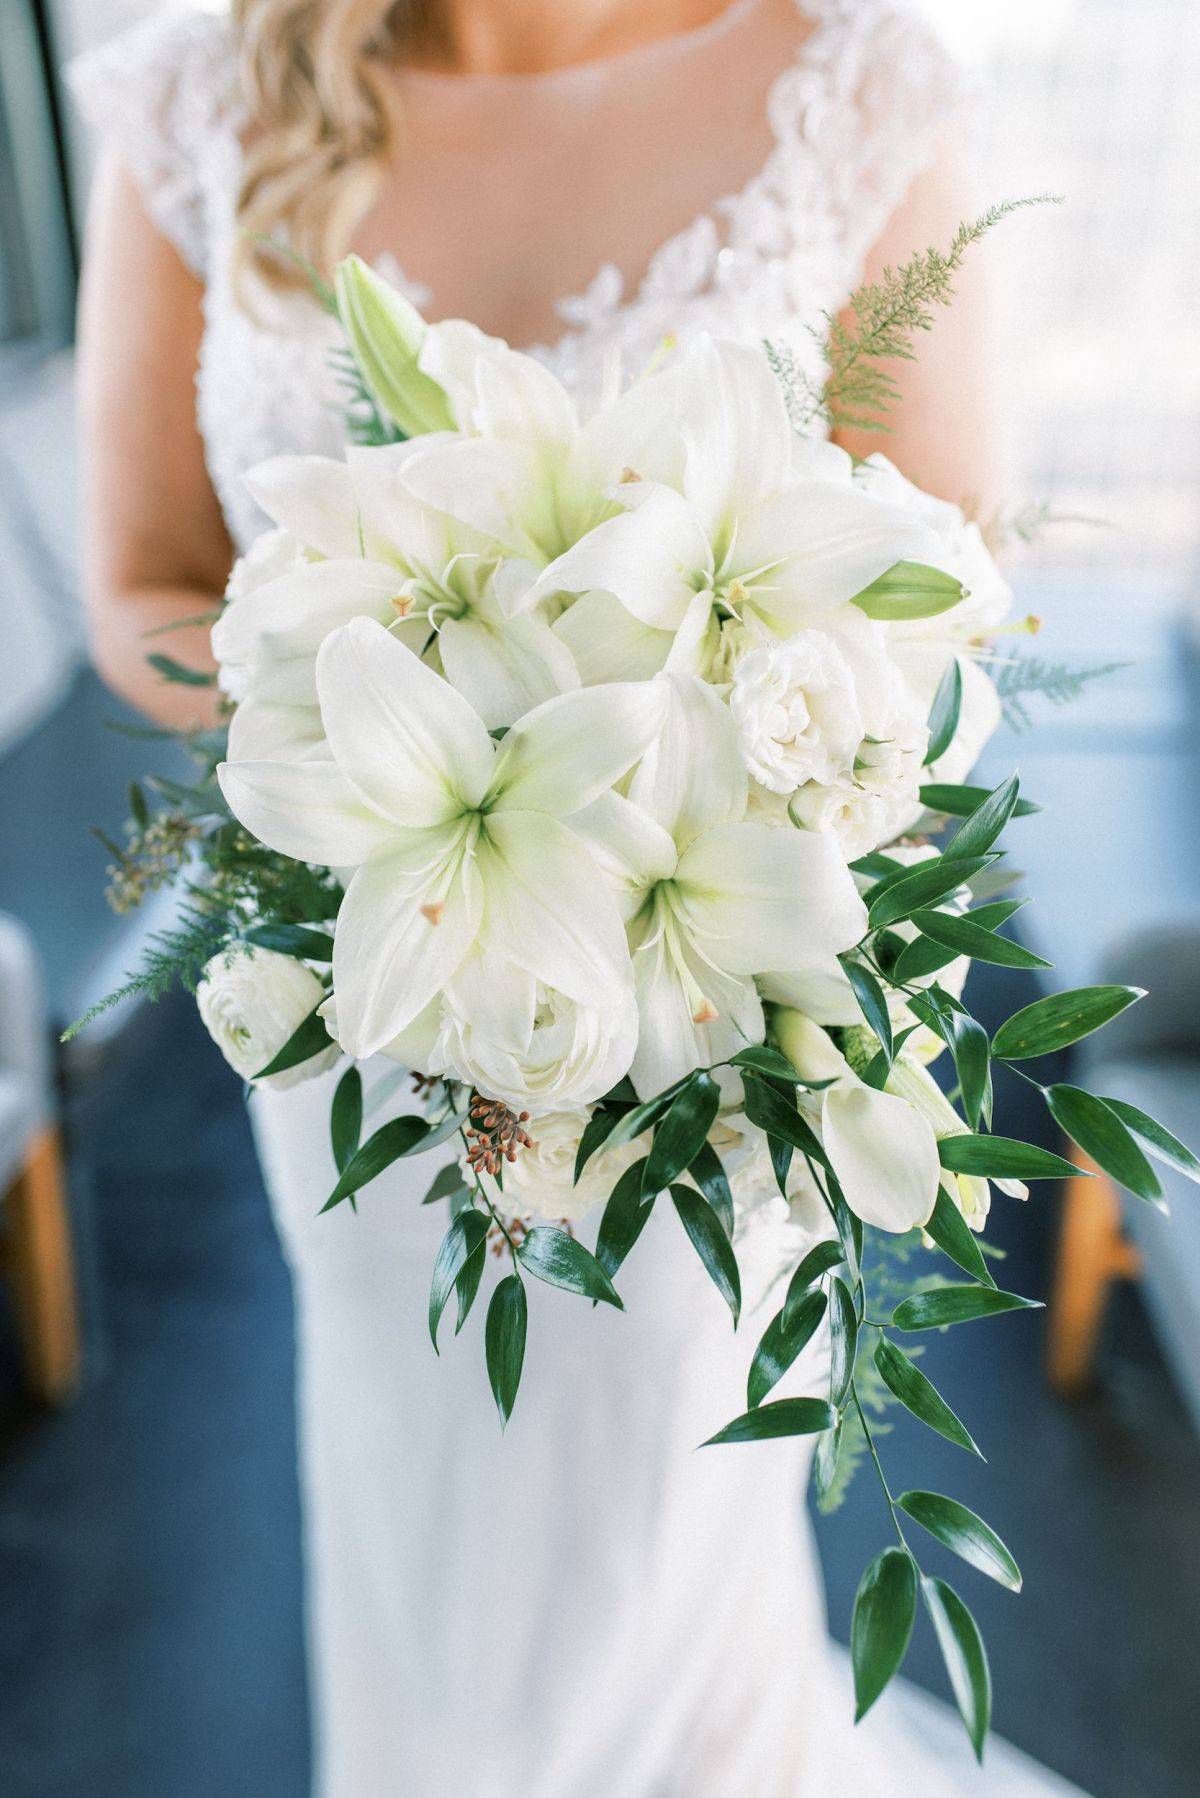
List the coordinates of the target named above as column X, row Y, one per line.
column 877, row 52
column 165, row 95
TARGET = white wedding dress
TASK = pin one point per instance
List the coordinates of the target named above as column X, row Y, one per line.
column 582, row 1607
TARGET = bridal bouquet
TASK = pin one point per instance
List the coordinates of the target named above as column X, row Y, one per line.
column 606, row 768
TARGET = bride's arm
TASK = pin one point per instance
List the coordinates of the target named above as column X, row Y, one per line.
column 943, row 432
column 155, row 547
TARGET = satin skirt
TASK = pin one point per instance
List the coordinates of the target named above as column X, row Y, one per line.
column 586, row 1605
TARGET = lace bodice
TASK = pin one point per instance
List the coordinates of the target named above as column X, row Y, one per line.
column 851, row 113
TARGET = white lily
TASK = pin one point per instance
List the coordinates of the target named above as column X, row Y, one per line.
column 457, row 841
column 436, row 583
column 711, row 900
column 527, row 472
column 759, row 526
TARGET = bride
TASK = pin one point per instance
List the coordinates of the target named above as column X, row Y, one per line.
column 580, row 1608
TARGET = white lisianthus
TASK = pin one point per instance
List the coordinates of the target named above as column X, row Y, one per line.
column 540, row 1182
column 796, row 710
column 252, row 1001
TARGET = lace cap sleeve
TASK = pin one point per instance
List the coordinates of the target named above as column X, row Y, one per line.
column 879, row 90
column 165, row 95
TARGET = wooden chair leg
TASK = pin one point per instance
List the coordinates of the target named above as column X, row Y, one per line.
column 41, row 1267
column 1092, row 1253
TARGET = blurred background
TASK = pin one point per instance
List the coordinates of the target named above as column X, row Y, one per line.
column 150, row 1584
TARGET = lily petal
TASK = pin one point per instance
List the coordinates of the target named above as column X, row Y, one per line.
column 548, row 909
column 648, row 557
column 398, row 731
column 408, row 918
column 693, row 775
column 571, row 749
column 313, row 498
column 736, row 431
column 505, row 670
column 610, row 644
column 759, row 898
column 884, row 1154
column 675, row 1031
column 275, row 632
column 305, row 809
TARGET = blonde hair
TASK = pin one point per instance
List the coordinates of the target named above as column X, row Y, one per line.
column 323, row 125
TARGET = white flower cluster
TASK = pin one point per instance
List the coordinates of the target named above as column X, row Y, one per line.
column 592, row 713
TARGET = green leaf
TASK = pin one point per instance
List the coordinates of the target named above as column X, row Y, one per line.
column 825, row 1462
column 968, row 1043
column 1157, row 1138
column 466, row 1286
column 843, row 1341
column 956, row 1305
column 640, row 1117
column 904, row 1379
column 683, row 1130
column 596, row 1132
column 960, row 801
column 345, row 1119
column 708, row 1173
column 964, row 1533
column 308, row 1039
column 398, row 1137
column 178, row 675
column 909, row 590
column 885, row 1606
column 966, row 937
column 782, row 1341
column 891, row 899
column 711, row 1244
column 558, row 1259
column 965, row 1657
column 504, row 1342
column 1061, row 1019
column 1101, row 1134
column 944, row 713
column 465, row 1238
column 871, row 1002
column 625, row 1216
column 954, row 1237
column 923, row 956
column 139, row 810
column 981, row 829
column 291, row 939
column 818, row 1262
column 782, row 1417
column 447, row 1183
column 763, row 1059
column 779, row 1118
column 1001, row 1158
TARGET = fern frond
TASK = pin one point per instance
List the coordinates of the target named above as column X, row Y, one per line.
column 1028, row 677
column 887, row 314
column 365, row 423
column 177, row 954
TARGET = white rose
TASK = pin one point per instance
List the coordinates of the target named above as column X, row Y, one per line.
column 797, row 711
column 252, row 1001
column 540, row 1182
column 567, row 1055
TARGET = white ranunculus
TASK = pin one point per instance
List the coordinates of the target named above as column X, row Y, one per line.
column 549, row 1053
column 797, row 712
column 540, row 1182
column 252, row 1001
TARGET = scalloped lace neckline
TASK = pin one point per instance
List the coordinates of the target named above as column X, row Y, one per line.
column 608, row 298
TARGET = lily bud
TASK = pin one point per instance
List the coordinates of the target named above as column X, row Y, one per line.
column 811, row 1050
column 385, row 333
